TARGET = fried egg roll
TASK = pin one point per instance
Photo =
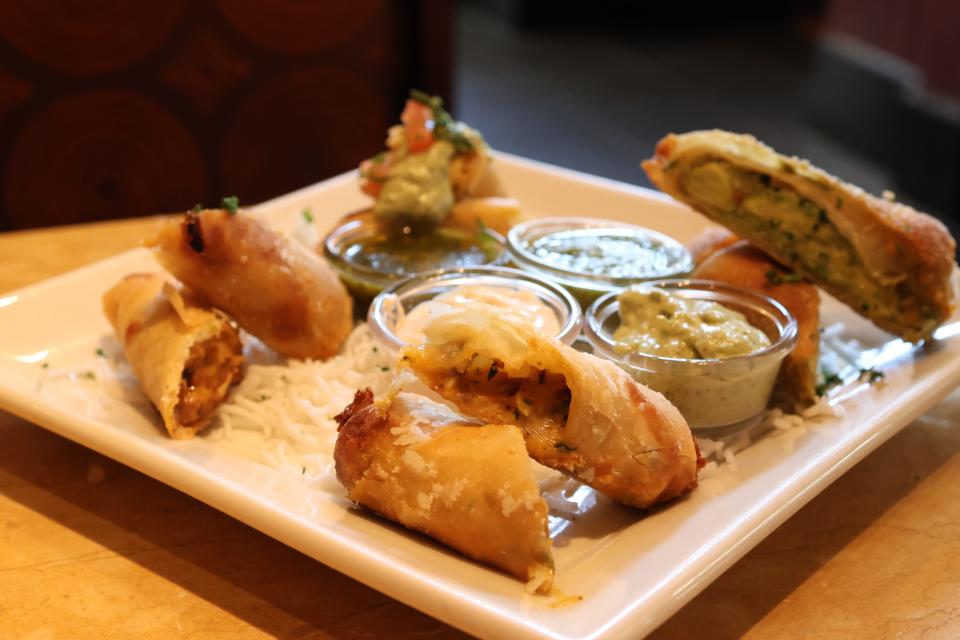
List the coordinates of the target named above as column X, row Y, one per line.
column 186, row 357
column 467, row 485
column 580, row 414
column 888, row 262
column 279, row 291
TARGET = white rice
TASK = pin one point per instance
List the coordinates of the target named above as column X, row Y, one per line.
column 282, row 414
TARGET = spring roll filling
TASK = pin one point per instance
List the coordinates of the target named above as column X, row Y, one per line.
column 535, row 400
column 212, row 366
column 752, row 203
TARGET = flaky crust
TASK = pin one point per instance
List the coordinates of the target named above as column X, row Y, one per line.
column 157, row 329
column 467, row 485
column 619, row 437
column 274, row 288
column 743, row 265
column 895, row 243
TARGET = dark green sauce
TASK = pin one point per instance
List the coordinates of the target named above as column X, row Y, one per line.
column 406, row 254
column 612, row 253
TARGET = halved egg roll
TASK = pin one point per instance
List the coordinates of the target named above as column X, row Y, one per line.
column 276, row 289
column 580, row 414
column 186, row 357
column 467, row 485
column 888, row 262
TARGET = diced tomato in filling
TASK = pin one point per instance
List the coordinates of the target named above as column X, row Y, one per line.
column 371, row 188
column 417, row 121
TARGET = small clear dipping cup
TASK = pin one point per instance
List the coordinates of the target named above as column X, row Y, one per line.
column 718, row 397
column 368, row 259
column 592, row 256
column 394, row 303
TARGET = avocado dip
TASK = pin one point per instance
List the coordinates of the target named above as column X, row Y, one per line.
column 658, row 323
column 418, row 186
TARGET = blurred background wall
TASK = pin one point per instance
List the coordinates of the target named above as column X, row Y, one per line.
column 867, row 89
column 115, row 109
column 112, row 108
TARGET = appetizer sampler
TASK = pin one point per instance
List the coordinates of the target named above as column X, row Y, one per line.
column 276, row 289
column 465, row 484
column 580, row 414
column 460, row 472
column 888, row 262
column 186, row 356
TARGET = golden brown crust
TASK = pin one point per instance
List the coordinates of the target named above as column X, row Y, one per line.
column 743, row 265
column 711, row 240
column 466, row 485
column 276, row 289
column 909, row 253
column 161, row 333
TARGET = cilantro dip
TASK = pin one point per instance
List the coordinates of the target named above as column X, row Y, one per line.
column 591, row 256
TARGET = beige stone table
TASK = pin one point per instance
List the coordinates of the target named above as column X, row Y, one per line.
column 92, row 549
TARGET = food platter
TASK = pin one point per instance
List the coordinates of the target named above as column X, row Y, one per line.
column 632, row 571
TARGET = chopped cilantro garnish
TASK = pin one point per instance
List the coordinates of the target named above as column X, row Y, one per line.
column 830, row 380
column 444, row 126
column 871, row 374
column 101, row 353
column 45, row 365
column 484, row 239
column 384, row 368
column 775, row 277
column 307, row 215
column 89, row 375
column 231, row 204
column 197, row 208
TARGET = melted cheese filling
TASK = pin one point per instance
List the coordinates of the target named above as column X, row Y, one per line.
column 538, row 403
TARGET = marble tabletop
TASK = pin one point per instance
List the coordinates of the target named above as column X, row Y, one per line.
column 92, row 549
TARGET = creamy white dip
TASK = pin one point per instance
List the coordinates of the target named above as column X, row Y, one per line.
column 518, row 305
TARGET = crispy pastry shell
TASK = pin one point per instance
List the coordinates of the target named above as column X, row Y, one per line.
column 467, row 485
column 586, row 418
column 163, row 335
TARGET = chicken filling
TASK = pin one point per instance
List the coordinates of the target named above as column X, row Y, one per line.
column 538, row 403
column 213, row 365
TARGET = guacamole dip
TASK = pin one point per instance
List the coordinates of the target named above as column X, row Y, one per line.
column 656, row 322
column 418, row 186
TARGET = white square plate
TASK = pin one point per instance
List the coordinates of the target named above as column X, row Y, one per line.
column 633, row 570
